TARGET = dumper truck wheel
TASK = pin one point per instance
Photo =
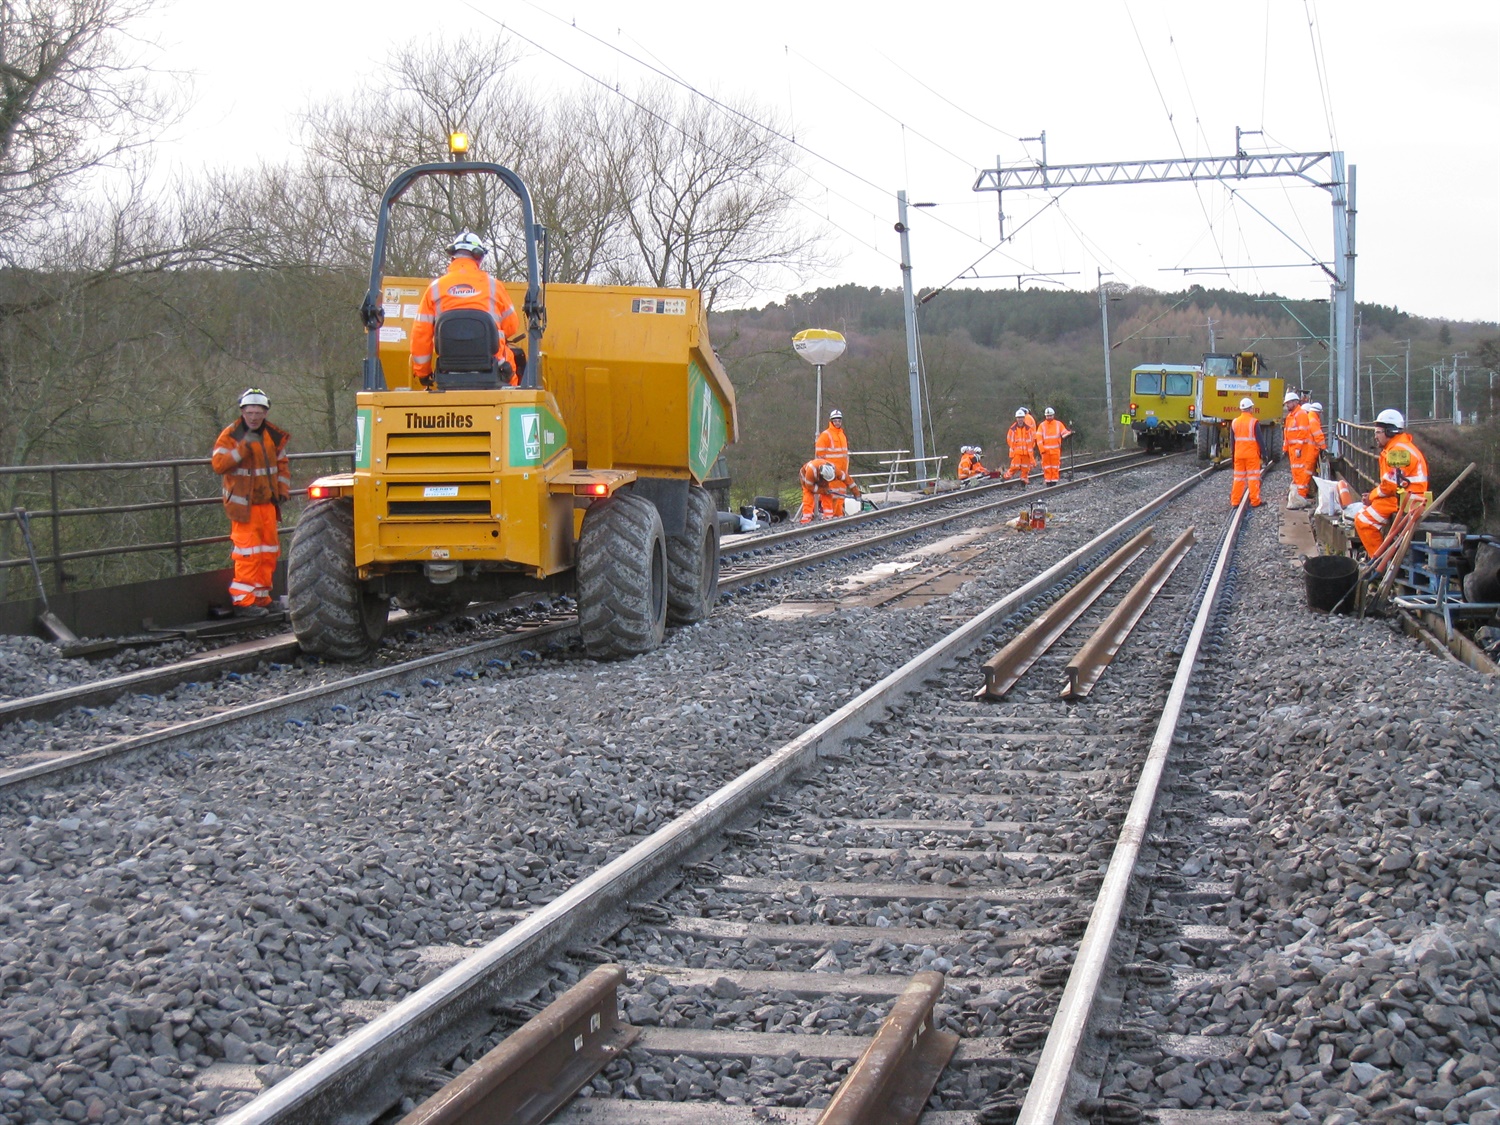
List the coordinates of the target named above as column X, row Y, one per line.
column 1203, row 442
column 622, row 578
column 332, row 613
column 693, row 561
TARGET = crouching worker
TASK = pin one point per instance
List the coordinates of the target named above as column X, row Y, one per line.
column 970, row 467
column 1403, row 471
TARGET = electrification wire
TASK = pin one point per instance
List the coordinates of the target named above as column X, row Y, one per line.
column 1056, row 199
column 1310, row 255
column 1321, row 66
column 1171, row 121
column 1118, row 270
column 729, row 109
column 1188, row 86
column 879, row 108
column 788, row 196
column 1149, row 323
column 1265, row 66
column 945, row 99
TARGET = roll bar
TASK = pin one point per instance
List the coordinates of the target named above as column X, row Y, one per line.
column 372, row 311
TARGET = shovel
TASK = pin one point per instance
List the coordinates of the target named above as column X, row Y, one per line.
column 48, row 620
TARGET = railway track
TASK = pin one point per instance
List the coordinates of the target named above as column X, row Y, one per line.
column 913, row 831
column 91, row 738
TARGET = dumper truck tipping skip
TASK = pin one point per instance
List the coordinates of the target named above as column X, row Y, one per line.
column 585, row 478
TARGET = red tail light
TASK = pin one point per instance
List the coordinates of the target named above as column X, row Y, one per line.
column 591, row 490
column 319, row 492
column 1132, row 410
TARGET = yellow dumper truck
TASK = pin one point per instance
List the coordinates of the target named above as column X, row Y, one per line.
column 586, row 478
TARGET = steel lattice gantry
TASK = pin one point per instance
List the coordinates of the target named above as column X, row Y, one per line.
column 1321, row 169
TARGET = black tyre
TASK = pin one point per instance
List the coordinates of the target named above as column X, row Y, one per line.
column 332, row 614
column 622, row 578
column 1203, row 441
column 693, row 562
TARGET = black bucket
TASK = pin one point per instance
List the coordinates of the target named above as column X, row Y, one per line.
column 1330, row 580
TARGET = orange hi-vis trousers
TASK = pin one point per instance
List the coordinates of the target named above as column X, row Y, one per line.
column 257, row 546
column 1051, row 466
column 1303, row 462
column 1246, row 475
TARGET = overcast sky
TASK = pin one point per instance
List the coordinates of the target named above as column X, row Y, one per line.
column 923, row 97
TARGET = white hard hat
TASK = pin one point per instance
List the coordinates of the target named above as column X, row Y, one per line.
column 1291, row 396
column 826, row 471
column 966, row 449
column 254, row 396
column 1391, row 420
column 1315, row 407
column 832, row 414
column 1049, row 412
column 978, row 450
column 1021, row 413
column 1246, row 404
column 468, row 242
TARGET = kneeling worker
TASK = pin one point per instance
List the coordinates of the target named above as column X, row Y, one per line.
column 823, row 490
column 969, row 465
column 1403, row 470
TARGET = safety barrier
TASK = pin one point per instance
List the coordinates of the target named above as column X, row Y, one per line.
column 185, row 503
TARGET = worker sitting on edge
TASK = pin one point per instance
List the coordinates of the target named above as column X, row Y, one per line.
column 466, row 285
column 823, row 490
column 1049, row 440
column 833, row 443
column 1021, row 437
column 1403, row 471
column 1247, row 458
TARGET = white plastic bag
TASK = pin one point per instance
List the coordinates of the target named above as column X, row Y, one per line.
column 1352, row 510
column 1328, row 497
column 1295, row 501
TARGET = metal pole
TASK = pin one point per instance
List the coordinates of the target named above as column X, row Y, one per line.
column 1408, row 380
column 177, row 518
column 1343, row 230
column 1457, row 417
column 919, row 446
column 57, row 537
column 1359, row 327
column 1109, row 387
column 1434, row 391
column 818, row 408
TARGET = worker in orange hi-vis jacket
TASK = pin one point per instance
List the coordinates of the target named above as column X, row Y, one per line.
column 1295, row 439
column 833, row 443
column 466, row 285
column 1316, row 441
column 1403, row 471
column 1246, row 456
column 1049, row 438
column 823, row 490
column 250, row 455
column 1021, row 438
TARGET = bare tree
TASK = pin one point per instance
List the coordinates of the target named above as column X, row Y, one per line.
column 73, row 104
column 712, row 195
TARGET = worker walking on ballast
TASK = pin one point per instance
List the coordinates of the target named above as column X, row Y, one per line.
column 251, row 457
column 1403, row 472
column 1021, row 438
column 1049, row 439
column 1246, row 456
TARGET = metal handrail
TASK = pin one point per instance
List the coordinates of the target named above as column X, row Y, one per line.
column 1356, row 444
column 60, row 516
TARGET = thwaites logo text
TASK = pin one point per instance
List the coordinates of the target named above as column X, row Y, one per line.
column 449, row 421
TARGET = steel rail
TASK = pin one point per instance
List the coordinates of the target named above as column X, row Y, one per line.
column 1054, row 1070
column 892, row 1080
column 180, row 733
column 236, row 658
column 1005, row 669
column 358, row 1078
column 1088, row 664
column 741, row 578
column 842, row 523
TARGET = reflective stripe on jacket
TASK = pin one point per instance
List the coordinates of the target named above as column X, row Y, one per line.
column 254, row 467
column 1050, row 434
column 1315, row 429
column 1021, row 438
column 833, row 445
column 464, row 286
column 1295, row 433
column 1245, row 428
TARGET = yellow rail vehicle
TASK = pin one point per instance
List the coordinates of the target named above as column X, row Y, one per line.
column 1226, row 379
column 1163, row 413
column 587, row 477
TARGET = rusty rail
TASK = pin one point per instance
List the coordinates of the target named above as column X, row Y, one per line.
column 542, row 1065
column 890, row 1083
column 1006, row 667
column 1098, row 651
